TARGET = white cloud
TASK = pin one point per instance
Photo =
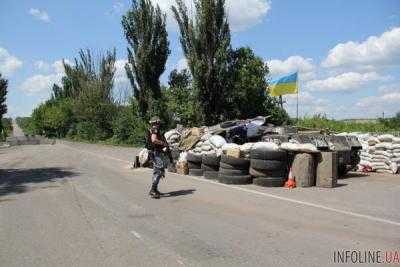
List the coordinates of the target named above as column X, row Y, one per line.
column 41, row 83
column 8, row 63
column 39, row 14
column 374, row 106
column 376, row 51
column 344, row 82
column 182, row 64
column 242, row 14
column 388, row 88
column 41, row 65
column 305, row 67
column 121, row 80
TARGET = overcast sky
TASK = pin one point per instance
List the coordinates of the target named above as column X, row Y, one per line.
column 347, row 52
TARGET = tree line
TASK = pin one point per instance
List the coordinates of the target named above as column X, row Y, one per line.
column 221, row 82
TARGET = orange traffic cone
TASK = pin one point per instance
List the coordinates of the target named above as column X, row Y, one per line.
column 291, row 183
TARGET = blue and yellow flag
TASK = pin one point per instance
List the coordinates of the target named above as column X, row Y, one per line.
column 284, row 85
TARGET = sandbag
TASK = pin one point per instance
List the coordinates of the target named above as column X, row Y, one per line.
column 396, row 140
column 372, row 141
column 267, row 146
column 307, row 148
column 217, row 141
column 385, row 138
column 226, row 147
column 143, row 156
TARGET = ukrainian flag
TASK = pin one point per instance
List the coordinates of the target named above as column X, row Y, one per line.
column 284, row 85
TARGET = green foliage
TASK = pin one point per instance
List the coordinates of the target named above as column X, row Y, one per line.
column 206, row 43
column 7, row 128
column 249, row 97
column 181, row 98
column 145, row 30
column 52, row 118
column 26, row 124
column 321, row 122
column 128, row 126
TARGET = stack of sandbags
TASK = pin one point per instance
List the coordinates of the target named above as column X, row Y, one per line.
column 173, row 138
column 209, row 144
column 380, row 153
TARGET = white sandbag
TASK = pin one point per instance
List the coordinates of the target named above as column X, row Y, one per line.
column 395, row 160
column 229, row 146
column 143, row 156
column 383, row 145
column 384, row 171
column 307, row 148
column 396, row 140
column 365, row 163
column 205, row 137
column 170, row 133
column 268, row 146
column 395, row 146
column 246, row 148
column 385, row 138
column 372, row 141
column 206, row 147
column 217, row 141
column 383, row 153
column 396, row 155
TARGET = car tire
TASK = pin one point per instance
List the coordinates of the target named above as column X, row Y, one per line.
column 269, row 181
column 268, row 165
column 268, row 155
column 232, row 172
column 211, row 175
column 211, row 160
column 194, row 165
column 236, row 180
column 194, row 158
column 264, row 173
column 206, row 167
column 196, row 172
column 238, row 163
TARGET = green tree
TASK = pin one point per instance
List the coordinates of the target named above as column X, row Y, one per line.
column 145, row 30
column 206, row 43
column 3, row 98
column 181, row 98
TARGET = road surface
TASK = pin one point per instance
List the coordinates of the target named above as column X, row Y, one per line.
column 17, row 131
column 75, row 204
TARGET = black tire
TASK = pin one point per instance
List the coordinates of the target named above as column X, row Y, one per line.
column 227, row 179
column 212, row 160
column 206, row 167
column 194, row 165
column 231, row 167
column 268, row 155
column 264, row 173
column 237, row 162
column 228, row 124
column 232, row 172
column 269, row 181
column 196, row 172
column 211, row 175
column 194, row 158
column 268, row 165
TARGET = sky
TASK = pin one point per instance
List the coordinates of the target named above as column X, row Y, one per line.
column 347, row 53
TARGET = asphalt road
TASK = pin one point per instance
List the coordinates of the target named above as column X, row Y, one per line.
column 80, row 205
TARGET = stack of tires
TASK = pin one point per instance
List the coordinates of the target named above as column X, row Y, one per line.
column 234, row 171
column 210, row 166
column 269, row 168
column 194, row 164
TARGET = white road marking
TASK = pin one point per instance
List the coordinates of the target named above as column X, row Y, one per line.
column 136, row 234
column 304, row 203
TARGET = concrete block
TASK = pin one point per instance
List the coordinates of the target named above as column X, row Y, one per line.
column 327, row 170
column 303, row 170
